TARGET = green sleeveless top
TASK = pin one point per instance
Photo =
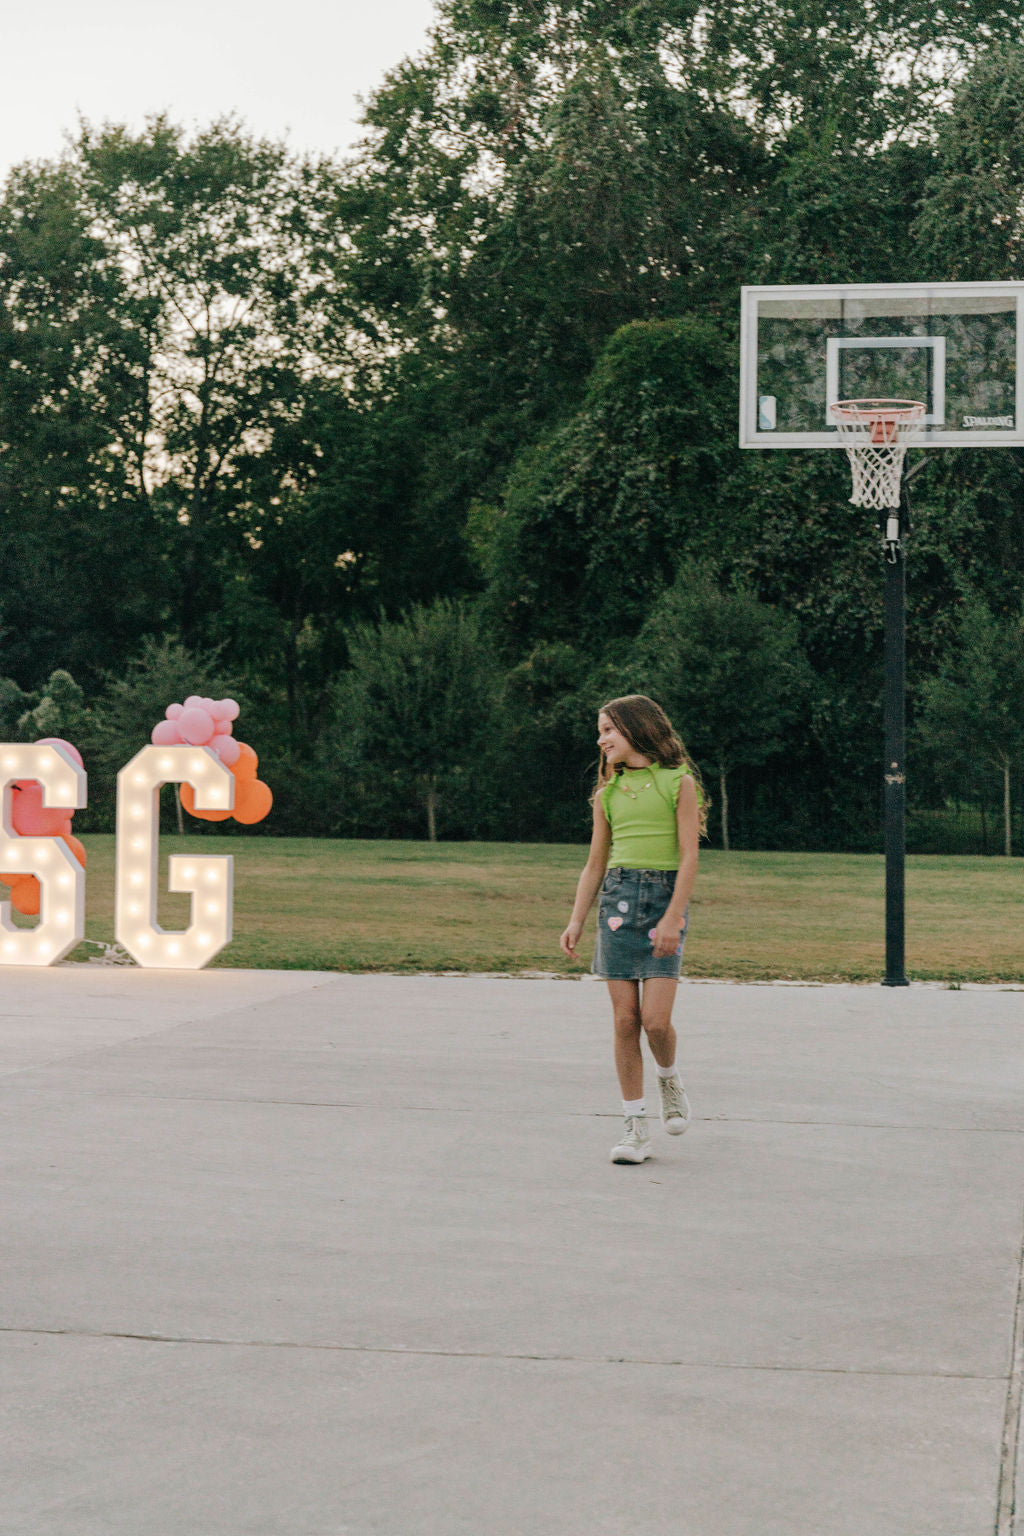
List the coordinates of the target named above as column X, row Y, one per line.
column 640, row 805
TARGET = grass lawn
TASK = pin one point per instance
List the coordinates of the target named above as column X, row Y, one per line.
column 402, row 906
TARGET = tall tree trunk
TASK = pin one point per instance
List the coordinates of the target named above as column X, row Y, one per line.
column 191, row 563
column 432, row 810
column 1007, row 821
column 725, row 809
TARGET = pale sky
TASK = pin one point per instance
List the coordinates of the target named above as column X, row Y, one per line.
column 292, row 68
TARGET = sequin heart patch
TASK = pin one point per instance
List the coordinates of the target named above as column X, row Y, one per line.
column 614, row 923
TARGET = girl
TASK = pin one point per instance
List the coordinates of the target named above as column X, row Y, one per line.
column 649, row 812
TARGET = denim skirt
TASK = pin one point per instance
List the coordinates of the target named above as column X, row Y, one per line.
column 631, row 904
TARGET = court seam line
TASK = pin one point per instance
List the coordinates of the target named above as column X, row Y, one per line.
column 473, row 1354
column 1007, row 1489
column 596, row 1114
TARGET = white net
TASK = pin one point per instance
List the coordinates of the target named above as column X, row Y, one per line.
column 876, row 435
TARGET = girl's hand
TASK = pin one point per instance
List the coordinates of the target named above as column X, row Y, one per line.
column 570, row 938
column 666, row 938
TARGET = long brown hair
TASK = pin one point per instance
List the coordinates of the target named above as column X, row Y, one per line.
column 649, row 731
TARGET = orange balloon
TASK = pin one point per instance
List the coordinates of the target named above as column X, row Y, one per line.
column 252, row 802
column 18, row 884
column 188, row 800
column 76, row 848
column 25, row 895
column 247, row 763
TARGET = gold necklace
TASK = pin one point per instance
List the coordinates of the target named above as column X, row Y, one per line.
column 634, row 794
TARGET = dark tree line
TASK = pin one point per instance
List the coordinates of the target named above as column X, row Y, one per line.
column 471, row 397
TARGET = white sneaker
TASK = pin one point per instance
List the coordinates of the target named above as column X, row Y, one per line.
column 635, row 1143
column 675, row 1106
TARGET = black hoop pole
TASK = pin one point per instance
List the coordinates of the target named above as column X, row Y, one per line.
column 895, row 750
column 895, row 521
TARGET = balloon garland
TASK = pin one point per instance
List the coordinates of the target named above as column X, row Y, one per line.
column 201, row 722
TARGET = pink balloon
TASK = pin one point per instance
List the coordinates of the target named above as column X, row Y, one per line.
column 227, row 749
column 165, row 733
column 222, row 727
column 207, row 704
column 195, row 726
column 193, row 701
column 173, row 711
column 58, row 741
column 30, row 818
column 229, row 709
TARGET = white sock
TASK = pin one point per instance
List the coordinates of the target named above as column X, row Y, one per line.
column 633, row 1107
column 667, row 1071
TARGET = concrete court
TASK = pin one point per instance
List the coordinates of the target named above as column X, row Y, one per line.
column 296, row 1254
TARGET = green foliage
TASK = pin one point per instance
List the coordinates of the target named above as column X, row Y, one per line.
column 598, row 516
column 414, row 719
column 127, row 708
column 970, row 225
column 14, row 703
column 550, row 743
column 808, row 224
column 66, row 395
column 166, row 349
column 870, row 74
column 536, row 179
column 59, row 712
column 728, row 670
column 971, row 715
column 275, row 408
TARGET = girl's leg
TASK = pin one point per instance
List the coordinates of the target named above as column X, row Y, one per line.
column 625, row 996
column 635, row 1143
column 656, row 1016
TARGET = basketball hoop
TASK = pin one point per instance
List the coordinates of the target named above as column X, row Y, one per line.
column 876, row 435
column 805, row 346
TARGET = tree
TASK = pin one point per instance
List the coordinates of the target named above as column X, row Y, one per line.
column 872, row 75
column 807, row 223
column 419, row 706
column 129, row 705
column 253, row 400
column 598, row 515
column 221, row 245
column 59, row 712
column 68, row 499
column 168, row 339
column 545, row 172
column 728, row 670
column 540, row 176
column 13, row 704
column 972, row 711
column 970, row 225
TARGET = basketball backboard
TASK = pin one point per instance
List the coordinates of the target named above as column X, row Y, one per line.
column 958, row 347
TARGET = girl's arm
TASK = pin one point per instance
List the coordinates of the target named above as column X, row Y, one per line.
column 590, row 880
column 666, row 935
